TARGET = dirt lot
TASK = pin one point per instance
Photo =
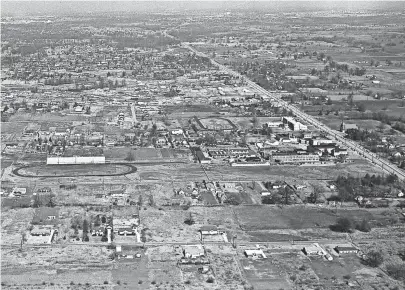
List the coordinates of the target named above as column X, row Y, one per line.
column 168, row 225
column 58, row 265
column 265, row 274
column 75, row 170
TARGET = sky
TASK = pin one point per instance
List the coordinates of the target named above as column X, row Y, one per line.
column 60, row 7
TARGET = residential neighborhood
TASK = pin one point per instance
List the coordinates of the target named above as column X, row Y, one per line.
column 199, row 145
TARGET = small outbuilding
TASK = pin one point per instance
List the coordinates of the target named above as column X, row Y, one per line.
column 346, row 250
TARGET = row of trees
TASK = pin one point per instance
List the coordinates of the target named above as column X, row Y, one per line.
column 349, row 187
column 346, row 225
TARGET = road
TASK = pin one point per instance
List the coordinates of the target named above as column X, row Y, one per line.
column 156, row 244
column 372, row 157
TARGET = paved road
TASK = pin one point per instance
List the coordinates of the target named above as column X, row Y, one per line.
column 372, row 157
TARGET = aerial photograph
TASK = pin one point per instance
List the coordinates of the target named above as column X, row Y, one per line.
column 198, row 145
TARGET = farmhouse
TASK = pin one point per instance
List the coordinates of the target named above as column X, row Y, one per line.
column 41, row 231
column 344, row 127
column 193, row 251
column 125, row 226
column 211, row 230
column 255, row 254
column 312, row 250
column 263, row 190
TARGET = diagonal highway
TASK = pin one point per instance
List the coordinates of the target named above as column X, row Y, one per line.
column 385, row 165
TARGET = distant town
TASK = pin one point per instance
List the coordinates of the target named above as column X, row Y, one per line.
column 235, row 149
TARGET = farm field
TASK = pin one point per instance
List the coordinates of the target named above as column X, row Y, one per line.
column 253, row 218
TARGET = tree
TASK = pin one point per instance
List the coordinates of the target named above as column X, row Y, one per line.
column 396, row 271
column 271, row 199
column 364, row 226
column 381, row 127
column 343, row 225
column 350, row 99
column 23, row 237
column 189, row 219
column 314, row 196
column 285, row 193
column 255, row 121
column 401, row 254
column 374, row 259
column 130, row 156
column 140, row 200
column 85, row 226
column 361, row 107
column 37, row 201
column 51, row 202
column 151, row 200
column 97, row 221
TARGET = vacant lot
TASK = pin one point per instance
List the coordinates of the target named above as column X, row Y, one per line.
column 265, row 274
column 168, row 225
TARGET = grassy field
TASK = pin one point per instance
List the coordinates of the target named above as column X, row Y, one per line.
column 253, row 218
column 390, row 107
column 12, row 127
column 129, row 275
column 266, row 236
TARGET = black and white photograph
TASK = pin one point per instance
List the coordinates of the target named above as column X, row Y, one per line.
column 202, row 145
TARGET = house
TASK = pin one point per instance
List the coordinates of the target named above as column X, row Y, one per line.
column 346, row 250
column 41, row 231
column 193, row 251
column 312, row 250
column 255, row 254
column 177, row 132
column 125, row 226
column 98, row 231
column 344, row 127
column 263, row 190
column 19, row 191
column 211, row 230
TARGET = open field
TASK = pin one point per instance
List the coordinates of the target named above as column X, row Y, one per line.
column 72, row 170
column 145, row 154
column 59, row 265
column 12, row 127
column 265, row 274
